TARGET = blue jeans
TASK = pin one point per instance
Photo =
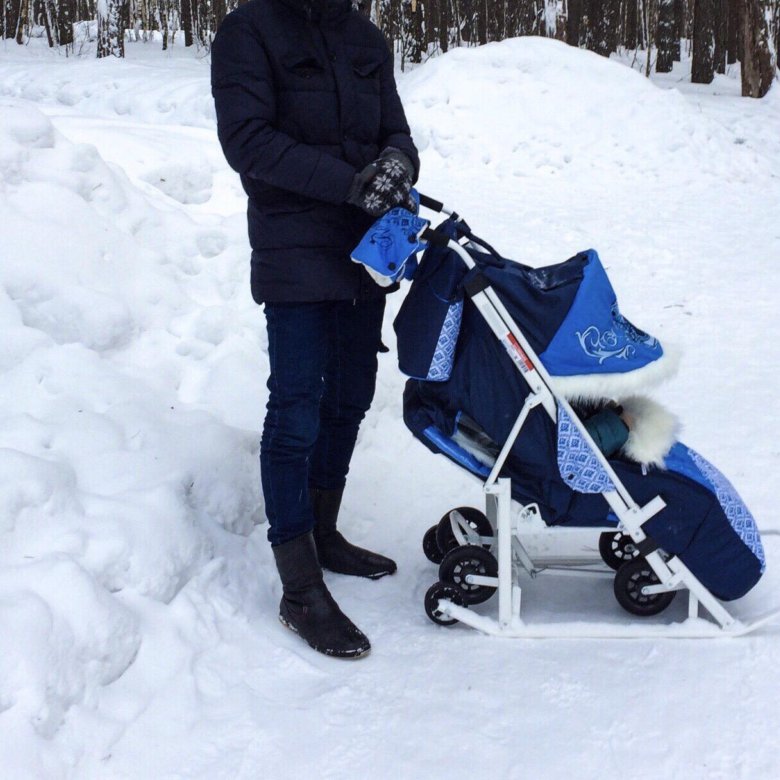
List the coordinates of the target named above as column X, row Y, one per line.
column 323, row 360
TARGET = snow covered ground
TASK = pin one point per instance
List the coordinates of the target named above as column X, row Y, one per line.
column 138, row 630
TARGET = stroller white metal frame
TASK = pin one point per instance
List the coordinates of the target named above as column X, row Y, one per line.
column 443, row 604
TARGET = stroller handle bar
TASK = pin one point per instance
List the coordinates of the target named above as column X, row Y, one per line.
column 434, row 205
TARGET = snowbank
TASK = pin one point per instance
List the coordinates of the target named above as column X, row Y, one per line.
column 531, row 106
column 106, row 483
column 149, row 85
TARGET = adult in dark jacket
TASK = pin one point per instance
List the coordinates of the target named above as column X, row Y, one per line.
column 309, row 116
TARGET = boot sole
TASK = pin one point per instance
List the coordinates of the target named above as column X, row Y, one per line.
column 331, row 654
column 374, row 576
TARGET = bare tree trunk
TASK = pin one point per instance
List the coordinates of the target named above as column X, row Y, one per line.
column 111, row 28
column 721, row 35
column 482, row 25
column 66, row 15
column 22, row 20
column 464, row 21
column 631, row 36
column 704, row 30
column 651, row 27
column 444, row 24
column 760, row 59
column 162, row 21
column 574, row 22
column 734, row 37
column 186, row 21
column 457, row 21
column 414, row 8
column 679, row 27
column 665, row 37
column 47, row 23
column 9, row 19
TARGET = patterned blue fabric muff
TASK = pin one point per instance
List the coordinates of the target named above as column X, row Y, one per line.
column 388, row 250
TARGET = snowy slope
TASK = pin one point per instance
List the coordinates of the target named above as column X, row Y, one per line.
column 138, row 632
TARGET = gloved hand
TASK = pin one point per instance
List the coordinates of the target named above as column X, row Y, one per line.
column 384, row 184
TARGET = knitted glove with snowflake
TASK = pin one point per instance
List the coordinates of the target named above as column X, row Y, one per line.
column 384, row 184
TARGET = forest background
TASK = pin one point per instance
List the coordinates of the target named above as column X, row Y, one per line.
column 713, row 33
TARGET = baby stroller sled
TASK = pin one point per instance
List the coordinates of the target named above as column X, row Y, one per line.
column 498, row 353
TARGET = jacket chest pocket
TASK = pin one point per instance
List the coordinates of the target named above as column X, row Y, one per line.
column 304, row 73
column 367, row 75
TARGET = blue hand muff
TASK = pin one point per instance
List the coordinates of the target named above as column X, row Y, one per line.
column 388, row 250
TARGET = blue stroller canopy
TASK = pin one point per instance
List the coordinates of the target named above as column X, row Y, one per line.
column 569, row 312
column 583, row 334
column 594, row 337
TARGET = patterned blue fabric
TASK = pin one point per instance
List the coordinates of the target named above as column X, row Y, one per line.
column 684, row 460
column 594, row 337
column 444, row 354
column 391, row 243
column 578, row 465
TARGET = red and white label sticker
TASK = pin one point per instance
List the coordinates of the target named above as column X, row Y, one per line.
column 517, row 354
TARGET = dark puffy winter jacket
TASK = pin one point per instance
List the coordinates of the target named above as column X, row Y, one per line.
column 304, row 100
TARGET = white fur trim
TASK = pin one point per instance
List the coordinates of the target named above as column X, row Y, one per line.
column 653, row 430
column 597, row 387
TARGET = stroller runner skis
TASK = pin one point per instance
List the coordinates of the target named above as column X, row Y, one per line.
column 508, row 366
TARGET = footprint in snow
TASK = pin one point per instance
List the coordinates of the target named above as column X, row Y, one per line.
column 211, row 243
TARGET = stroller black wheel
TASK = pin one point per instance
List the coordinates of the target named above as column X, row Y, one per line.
column 438, row 591
column 629, row 581
column 469, row 559
column 477, row 520
column 616, row 549
column 431, row 547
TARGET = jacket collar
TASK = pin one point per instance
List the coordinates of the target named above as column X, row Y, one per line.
column 317, row 10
